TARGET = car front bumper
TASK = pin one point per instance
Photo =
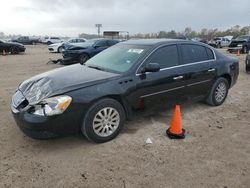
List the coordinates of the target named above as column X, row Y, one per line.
column 22, row 49
column 53, row 48
column 70, row 60
column 44, row 127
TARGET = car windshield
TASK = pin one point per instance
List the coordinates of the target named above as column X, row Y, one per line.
column 119, row 58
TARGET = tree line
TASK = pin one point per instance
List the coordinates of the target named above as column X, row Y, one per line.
column 207, row 34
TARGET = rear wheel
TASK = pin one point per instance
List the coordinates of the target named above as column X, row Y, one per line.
column 103, row 121
column 14, row 50
column 83, row 58
column 218, row 93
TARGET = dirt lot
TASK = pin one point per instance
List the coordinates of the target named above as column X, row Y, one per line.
column 215, row 153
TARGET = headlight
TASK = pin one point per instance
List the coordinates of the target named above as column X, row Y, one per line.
column 52, row 106
column 239, row 45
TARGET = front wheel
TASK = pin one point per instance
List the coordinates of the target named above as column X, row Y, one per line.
column 83, row 58
column 14, row 50
column 245, row 49
column 103, row 121
column 218, row 93
column 60, row 49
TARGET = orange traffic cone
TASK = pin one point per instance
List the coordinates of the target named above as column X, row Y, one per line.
column 238, row 53
column 175, row 131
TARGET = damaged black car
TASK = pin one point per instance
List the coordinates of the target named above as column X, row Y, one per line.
column 81, row 53
column 11, row 47
column 96, row 98
column 241, row 43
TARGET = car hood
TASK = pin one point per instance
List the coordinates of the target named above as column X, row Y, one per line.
column 62, row 80
column 14, row 43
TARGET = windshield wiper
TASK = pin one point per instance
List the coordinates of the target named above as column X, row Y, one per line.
column 94, row 67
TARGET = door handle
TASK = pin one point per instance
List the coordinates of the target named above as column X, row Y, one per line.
column 178, row 77
column 211, row 70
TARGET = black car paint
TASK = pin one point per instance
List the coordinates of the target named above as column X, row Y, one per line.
column 72, row 54
column 127, row 88
column 8, row 46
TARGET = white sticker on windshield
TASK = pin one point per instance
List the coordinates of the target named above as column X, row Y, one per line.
column 138, row 51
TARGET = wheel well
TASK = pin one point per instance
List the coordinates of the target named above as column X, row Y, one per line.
column 228, row 77
column 125, row 106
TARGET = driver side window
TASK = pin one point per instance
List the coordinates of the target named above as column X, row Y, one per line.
column 166, row 57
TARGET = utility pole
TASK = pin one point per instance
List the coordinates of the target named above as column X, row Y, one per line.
column 98, row 28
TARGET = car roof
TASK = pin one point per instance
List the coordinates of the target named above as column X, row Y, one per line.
column 152, row 42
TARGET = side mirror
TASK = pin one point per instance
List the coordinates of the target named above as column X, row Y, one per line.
column 151, row 67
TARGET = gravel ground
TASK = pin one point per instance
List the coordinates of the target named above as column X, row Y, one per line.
column 215, row 153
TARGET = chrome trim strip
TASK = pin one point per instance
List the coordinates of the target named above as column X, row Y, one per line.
column 215, row 58
column 177, row 66
column 198, row 83
column 161, row 92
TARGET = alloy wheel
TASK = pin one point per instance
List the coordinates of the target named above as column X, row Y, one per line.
column 106, row 121
column 220, row 92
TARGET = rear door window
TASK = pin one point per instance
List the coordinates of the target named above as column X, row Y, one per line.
column 193, row 53
column 166, row 56
column 210, row 54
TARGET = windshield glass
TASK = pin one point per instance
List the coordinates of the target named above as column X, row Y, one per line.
column 119, row 58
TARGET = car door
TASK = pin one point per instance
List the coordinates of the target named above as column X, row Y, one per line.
column 168, row 83
column 196, row 67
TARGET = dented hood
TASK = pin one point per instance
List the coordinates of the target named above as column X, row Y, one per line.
column 62, row 80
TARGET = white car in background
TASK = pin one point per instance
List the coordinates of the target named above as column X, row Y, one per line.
column 51, row 40
column 59, row 47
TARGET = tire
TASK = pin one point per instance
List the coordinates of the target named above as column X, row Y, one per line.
column 103, row 129
column 14, row 50
column 218, row 92
column 218, row 45
column 60, row 49
column 83, row 58
column 245, row 50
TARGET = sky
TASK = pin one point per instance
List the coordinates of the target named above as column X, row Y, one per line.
column 72, row 17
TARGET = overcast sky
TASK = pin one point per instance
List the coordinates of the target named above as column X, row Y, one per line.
column 71, row 17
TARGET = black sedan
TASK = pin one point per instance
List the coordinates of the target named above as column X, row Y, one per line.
column 97, row 98
column 11, row 47
column 81, row 53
